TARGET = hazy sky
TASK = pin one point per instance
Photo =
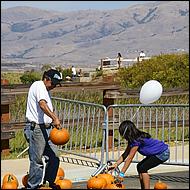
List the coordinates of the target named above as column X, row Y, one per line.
column 72, row 5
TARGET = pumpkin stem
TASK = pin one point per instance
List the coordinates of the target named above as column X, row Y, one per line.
column 10, row 178
column 61, row 177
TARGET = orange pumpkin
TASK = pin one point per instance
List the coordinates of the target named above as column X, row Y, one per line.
column 64, row 183
column 59, row 136
column 108, row 177
column 96, row 182
column 115, row 186
column 160, row 185
column 9, row 182
column 11, row 178
column 60, row 173
column 25, row 180
column 9, row 185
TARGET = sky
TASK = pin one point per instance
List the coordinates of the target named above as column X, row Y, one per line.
column 66, row 6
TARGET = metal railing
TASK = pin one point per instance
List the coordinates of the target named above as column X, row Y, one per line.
column 95, row 139
column 86, row 123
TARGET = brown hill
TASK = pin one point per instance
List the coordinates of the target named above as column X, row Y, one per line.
column 33, row 37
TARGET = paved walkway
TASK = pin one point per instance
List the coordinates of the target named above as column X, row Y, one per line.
column 77, row 173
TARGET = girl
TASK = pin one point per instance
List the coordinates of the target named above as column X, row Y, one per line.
column 156, row 152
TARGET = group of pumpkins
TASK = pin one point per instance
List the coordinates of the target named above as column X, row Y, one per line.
column 11, row 182
column 107, row 181
column 104, row 181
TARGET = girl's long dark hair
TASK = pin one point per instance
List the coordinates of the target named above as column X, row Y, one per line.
column 128, row 130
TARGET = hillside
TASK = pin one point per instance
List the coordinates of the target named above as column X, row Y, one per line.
column 32, row 37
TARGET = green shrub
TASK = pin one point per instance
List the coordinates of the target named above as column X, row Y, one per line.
column 99, row 73
column 30, row 76
column 171, row 70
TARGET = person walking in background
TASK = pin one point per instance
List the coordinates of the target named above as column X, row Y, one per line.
column 74, row 73
column 119, row 58
column 156, row 152
column 142, row 54
column 40, row 117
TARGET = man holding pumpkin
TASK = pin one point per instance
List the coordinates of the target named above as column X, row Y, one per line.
column 40, row 117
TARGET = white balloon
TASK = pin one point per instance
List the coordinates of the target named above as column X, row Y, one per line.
column 150, row 92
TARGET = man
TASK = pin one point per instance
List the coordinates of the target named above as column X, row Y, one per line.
column 74, row 73
column 142, row 54
column 119, row 58
column 40, row 117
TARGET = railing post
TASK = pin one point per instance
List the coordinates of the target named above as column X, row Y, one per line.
column 101, row 64
column 107, row 102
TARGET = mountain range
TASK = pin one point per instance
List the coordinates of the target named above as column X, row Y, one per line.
column 33, row 37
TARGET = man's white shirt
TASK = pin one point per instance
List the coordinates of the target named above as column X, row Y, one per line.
column 36, row 93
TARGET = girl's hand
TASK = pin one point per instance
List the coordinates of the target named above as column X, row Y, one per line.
column 112, row 167
column 120, row 177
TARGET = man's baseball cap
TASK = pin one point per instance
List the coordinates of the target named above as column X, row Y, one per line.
column 54, row 75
